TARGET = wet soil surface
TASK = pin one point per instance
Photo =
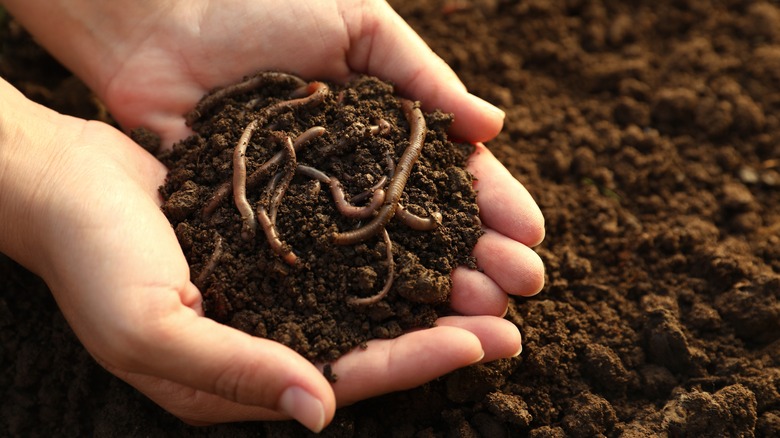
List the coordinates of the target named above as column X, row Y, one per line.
column 296, row 282
column 647, row 132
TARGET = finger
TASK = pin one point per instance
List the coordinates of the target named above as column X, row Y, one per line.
column 194, row 407
column 204, row 355
column 504, row 204
column 384, row 45
column 517, row 269
column 474, row 293
column 410, row 360
column 499, row 338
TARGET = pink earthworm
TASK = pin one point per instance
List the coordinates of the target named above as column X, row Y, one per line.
column 249, row 226
column 352, row 211
column 310, row 94
column 211, row 264
column 339, row 197
column 246, row 85
column 254, row 178
column 397, row 184
column 418, row 223
column 367, row 301
column 317, row 92
column 284, row 182
column 382, row 127
column 272, row 234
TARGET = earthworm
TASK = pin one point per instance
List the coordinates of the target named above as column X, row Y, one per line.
column 211, row 264
column 216, row 198
column 396, row 187
column 254, row 178
column 299, row 142
column 352, row 211
column 312, row 94
column 390, row 164
column 382, row 127
column 381, row 182
column 281, row 187
column 307, row 136
column 272, row 234
column 239, row 182
column 362, row 196
column 388, row 283
column 337, row 191
column 268, row 195
column 248, row 84
column 418, row 223
column 313, row 173
column 315, row 88
column 318, row 91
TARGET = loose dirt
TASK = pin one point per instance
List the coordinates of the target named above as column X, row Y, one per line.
column 310, row 293
column 648, row 134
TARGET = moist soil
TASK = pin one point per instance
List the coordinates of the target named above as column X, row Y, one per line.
column 647, row 133
column 306, row 292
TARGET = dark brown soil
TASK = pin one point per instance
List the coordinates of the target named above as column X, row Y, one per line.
column 306, row 304
column 647, row 133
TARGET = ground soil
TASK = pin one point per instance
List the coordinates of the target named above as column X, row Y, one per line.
column 646, row 132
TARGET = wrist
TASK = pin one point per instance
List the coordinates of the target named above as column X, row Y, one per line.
column 27, row 133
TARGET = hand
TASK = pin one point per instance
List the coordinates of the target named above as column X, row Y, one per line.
column 81, row 209
column 169, row 58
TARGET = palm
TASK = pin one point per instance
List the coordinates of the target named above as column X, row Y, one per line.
column 171, row 67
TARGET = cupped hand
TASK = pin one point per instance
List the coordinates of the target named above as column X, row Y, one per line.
column 118, row 272
column 81, row 209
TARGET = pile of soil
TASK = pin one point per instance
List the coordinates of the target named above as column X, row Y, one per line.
column 648, row 134
column 309, row 293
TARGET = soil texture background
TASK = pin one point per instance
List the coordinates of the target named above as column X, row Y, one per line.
column 647, row 132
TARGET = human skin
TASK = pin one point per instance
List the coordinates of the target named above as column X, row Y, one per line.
column 81, row 207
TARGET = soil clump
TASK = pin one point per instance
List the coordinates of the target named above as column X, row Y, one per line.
column 294, row 281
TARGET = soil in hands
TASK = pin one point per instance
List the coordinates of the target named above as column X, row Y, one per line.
column 301, row 288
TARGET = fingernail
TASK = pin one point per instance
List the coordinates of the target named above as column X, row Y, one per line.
column 520, row 350
column 479, row 359
column 304, row 407
column 487, row 107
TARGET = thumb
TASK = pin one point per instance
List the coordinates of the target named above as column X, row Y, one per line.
column 384, row 45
